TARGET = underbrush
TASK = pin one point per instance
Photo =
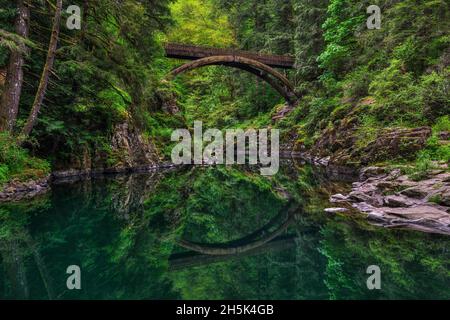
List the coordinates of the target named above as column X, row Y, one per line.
column 16, row 163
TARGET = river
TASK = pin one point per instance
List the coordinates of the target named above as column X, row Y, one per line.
column 210, row 233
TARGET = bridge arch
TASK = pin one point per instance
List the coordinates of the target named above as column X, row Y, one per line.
column 274, row 78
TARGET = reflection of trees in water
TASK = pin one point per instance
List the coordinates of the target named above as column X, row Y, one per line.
column 267, row 238
column 413, row 265
column 278, row 260
column 17, row 247
column 124, row 194
column 122, row 230
column 86, row 224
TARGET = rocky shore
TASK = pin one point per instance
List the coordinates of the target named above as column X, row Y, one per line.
column 130, row 152
column 18, row 190
column 392, row 199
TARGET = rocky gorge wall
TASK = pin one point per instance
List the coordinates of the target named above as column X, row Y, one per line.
column 128, row 151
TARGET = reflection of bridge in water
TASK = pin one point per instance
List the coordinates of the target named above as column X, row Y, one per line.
column 192, row 259
column 263, row 240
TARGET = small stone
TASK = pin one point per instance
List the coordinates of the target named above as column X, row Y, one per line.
column 445, row 198
column 394, row 174
column 338, row 198
column 359, row 196
column 386, row 185
column 335, row 210
column 356, row 184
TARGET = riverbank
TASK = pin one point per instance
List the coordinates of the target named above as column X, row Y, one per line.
column 386, row 196
column 15, row 190
column 392, row 199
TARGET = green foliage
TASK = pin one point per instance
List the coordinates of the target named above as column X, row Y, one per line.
column 367, row 131
column 422, row 166
column 16, row 163
column 309, row 42
column 435, row 94
column 356, row 84
column 442, row 124
column 105, row 74
column 318, row 114
column 339, row 27
column 439, row 150
column 198, row 23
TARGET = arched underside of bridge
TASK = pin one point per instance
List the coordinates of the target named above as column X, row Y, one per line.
column 274, row 78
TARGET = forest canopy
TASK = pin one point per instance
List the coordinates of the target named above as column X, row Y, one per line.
column 60, row 102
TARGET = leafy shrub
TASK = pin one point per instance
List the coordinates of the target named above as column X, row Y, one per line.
column 339, row 28
column 436, row 149
column 435, row 95
column 15, row 162
column 397, row 96
column 442, row 124
column 367, row 131
column 422, row 166
column 320, row 110
column 4, row 173
column 356, row 84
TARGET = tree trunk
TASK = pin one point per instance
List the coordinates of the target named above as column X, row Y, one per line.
column 40, row 94
column 84, row 20
column 9, row 103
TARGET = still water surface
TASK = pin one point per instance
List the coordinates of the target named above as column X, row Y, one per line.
column 210, row 233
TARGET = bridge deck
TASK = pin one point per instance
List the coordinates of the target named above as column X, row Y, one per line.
column 189, row 52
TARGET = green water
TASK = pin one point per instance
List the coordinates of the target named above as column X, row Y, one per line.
column 150, row 236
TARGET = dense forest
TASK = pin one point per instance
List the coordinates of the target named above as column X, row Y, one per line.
column 96, row 98
column 70, row 95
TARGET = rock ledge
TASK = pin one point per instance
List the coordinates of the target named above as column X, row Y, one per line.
column 391, row 199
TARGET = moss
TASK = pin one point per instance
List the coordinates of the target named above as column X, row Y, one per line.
column 435, row 199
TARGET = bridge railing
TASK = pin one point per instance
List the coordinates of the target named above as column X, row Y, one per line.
column 191, row 52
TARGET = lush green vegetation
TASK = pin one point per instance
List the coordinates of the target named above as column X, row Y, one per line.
column 16, row 163
column 110, row 71
column 395, row 77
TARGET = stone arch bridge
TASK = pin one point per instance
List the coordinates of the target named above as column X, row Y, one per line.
column 261, row 65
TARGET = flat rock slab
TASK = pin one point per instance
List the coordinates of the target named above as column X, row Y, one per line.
column 394, row 200
column 418, row 212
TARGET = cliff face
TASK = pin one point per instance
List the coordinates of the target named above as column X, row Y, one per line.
column 131, row 148
column 128, row 150
column 341, row 144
